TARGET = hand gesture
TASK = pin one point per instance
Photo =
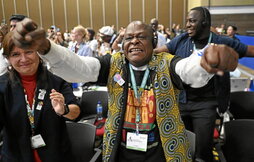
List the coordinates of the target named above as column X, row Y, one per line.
column 57, row 101
column 4, row 29
column 28, row 35
column 219, row 58
column 121, row 32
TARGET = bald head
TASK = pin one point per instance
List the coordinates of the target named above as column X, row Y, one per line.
column 142, row 25
column 138, row 43
column 154, row 20
column 154, row 23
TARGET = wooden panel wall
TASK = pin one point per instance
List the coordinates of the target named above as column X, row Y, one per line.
column 229, row 2
column 150, row 10
column 123, row 12
column 47, row 13
column 241, row 21
column 71, row 10
column 34, row 11
column 8, row 9
column 110, row 12
column 194, row 3
column 177, row 17
column 101, row 12
column 136, row 12
column 164, row 12
column 59, row 19
column 2, row 12
column 20, row 7
column 97, row 14
column 84, row 10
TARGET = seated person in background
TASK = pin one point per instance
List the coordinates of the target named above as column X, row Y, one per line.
column 72, row 39
column 59, row 39
column 221, row 30
column 4, row 30
column 51, row 32
column 91, row 41
column 142, row 88
column 106, row 37
column 231, row 32
column 161, row 38
column 33, row 106
column 3, row 61
column 80, row 47
column 14, row 19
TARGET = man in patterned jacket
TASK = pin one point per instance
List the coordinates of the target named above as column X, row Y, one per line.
column 143, row 121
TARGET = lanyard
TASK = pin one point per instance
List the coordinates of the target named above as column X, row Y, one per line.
column 209, row 41
column 30, row 113
column 138, row 93
column 30, row 110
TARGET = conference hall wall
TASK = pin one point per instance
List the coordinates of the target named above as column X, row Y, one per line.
column 66, row 14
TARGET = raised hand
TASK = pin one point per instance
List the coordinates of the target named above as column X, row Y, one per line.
column 4, row 29
column 57, row 101
column 219, row 58
column 28, row 35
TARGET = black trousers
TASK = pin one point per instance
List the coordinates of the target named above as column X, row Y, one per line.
column 199, row 117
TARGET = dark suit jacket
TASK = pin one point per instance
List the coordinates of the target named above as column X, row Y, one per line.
column 16, row 126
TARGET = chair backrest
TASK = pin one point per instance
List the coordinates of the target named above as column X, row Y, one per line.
column 192, row 138
column 239, row 143
column 89, row 102
column 242, row 105
column 82, row 137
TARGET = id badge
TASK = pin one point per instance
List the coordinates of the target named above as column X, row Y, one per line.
column 41, row 94
column 37, row 141
column 136, row 141
column 119, row 79
column 39, row 106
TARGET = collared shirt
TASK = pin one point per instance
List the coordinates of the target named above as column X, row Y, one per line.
column 161, row 39
column 235, row 38
column 83, row 50
column 183, row 46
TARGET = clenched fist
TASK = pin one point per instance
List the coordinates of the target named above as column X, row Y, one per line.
column 28, row 35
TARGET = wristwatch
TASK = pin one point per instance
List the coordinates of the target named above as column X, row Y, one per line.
column 66, row 109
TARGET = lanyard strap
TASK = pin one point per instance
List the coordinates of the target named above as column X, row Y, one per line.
column 138, row 93
column 209, row 41
column 30, row 112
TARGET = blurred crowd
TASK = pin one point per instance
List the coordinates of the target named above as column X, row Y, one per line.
column 86, row 41
column 195, row 102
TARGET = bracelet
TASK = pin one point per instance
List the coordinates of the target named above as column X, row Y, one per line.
column 66, row 109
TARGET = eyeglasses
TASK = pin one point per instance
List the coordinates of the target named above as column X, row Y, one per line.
column 138, row 37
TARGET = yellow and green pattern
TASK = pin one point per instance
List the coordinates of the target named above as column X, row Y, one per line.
column 172, row 132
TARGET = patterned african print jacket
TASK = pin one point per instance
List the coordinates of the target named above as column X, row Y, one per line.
column 172, row 132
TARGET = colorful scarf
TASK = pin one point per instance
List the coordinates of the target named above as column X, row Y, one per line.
column 172, row 131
